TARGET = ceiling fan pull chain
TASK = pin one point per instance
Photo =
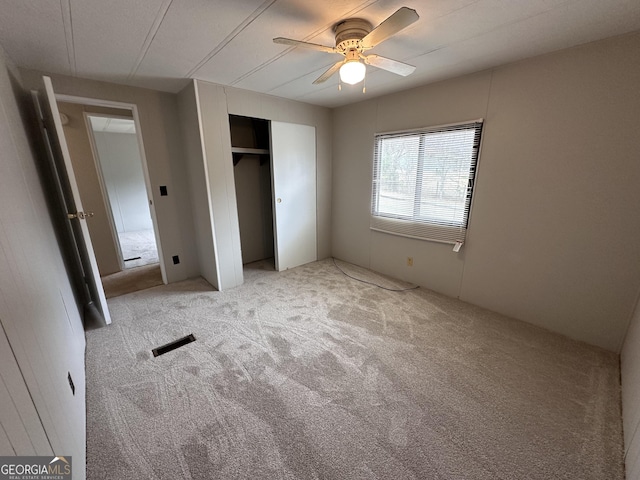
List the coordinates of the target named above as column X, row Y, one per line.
column 364, row 85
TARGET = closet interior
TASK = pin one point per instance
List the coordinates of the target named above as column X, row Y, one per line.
column 250, row 147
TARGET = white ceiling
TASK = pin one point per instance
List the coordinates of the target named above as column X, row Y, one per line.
column 112, row 125
column 161, row 43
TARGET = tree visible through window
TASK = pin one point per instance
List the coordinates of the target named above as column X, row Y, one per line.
column 423, row 181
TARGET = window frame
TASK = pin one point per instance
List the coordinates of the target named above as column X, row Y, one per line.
column 425, row 229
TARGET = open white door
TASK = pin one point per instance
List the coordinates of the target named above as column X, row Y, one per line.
column 293, row 170
column 61, row 159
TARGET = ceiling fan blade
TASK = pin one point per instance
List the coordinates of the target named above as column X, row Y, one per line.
column 332, row 69
column 402, row 18
column 389, row 65
column 298, row 43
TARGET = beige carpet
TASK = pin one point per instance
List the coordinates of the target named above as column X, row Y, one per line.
column 132, row 280
column 308, row 374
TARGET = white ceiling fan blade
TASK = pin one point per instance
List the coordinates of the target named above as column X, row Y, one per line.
column 401, row 19
column 332, row 69
column 389, row 65
column 298, row 43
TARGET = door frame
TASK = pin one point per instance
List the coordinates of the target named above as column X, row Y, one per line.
column 103, row 186
column 94, row 102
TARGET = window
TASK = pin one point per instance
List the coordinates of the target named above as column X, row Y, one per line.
column 423, row 181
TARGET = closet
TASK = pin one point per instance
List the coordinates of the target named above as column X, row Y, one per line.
column 250, row 148
column 275, row 181
column 274, row 176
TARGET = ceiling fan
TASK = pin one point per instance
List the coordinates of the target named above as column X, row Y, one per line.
column 354, row 36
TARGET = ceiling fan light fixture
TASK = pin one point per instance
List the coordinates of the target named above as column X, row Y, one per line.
column 355, row 36
column 352, row 72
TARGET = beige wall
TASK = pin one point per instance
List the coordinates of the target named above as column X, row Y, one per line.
column 38, row 314
column 556, row 197
column 85, row 169
column 630, row 372
column 158, row 112
column 220, row 190
column 198, row 183
column 435, row 265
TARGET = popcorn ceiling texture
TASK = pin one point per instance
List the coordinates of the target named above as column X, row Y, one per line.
column 308, row 374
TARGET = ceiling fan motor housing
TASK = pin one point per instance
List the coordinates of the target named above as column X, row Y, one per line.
column 349, row 33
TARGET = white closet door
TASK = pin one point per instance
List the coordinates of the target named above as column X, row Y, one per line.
column 293, row 170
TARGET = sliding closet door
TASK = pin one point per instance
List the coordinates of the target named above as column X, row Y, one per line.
column 293, row 167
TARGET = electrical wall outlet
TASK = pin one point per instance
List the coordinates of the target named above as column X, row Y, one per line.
column 409, row 261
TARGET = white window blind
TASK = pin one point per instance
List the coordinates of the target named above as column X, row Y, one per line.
column 423, row 181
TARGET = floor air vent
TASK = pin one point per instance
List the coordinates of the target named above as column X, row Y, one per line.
column 173, row 345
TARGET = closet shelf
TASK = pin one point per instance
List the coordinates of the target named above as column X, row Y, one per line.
column 249, row 151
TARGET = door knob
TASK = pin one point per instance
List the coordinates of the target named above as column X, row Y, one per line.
column 80, row 215
column 279, row 200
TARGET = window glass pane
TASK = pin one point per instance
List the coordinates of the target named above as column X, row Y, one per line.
column 423, row 181
column 397, row 175
column 445, row 178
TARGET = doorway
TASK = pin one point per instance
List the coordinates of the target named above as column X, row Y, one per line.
column 108, row 159
column 117, row 157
